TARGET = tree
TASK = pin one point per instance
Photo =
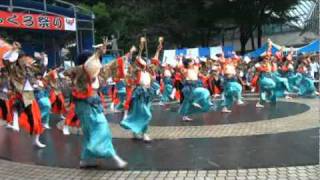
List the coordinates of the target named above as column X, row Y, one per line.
column 186, row 23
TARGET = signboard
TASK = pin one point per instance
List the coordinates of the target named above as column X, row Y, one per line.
column 36, row 21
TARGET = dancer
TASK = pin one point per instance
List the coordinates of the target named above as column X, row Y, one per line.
column 42, row 96
column 167, row 83
column 177, row 82
column 138, row 114
column 53, row 80
column 289, row 72
column 215, row 79
column 23, row 105
column 196, row 99
column 266, row 83
column 306, row 84
column 232, row 88
column 97, row 138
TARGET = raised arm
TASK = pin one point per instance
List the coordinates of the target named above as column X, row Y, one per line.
column 117, row 66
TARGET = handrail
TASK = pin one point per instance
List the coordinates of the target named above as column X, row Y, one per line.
column 84, row 11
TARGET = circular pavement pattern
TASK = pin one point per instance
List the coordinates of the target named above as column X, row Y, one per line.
column 301, row 114
column 167, row 115
column 303, row 119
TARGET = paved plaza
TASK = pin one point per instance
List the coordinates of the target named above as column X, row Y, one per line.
column 277, row 142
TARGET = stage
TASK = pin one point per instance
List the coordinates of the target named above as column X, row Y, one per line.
column 213, row 141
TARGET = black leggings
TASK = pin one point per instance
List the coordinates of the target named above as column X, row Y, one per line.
column 179, row 86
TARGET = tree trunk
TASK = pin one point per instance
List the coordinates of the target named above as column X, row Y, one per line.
column 222, row 38
column 259, row 34
column 252, row 42
column 208, row 37
column 243, row 39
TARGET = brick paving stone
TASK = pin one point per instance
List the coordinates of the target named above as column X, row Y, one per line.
column 171, row 175
column 199, row 178
column 208, row 178
column 252, row 174
column 160, row 178
column 189, row 178
column 242, row 171
column 303, row 178
column 252, row 170
column 272, row 169
column 251, row 177
column 262, row 170
column 314, row 177
column 241, row 178
column 242, row 174
column 302, row 174
column 220, row 178
column 262, row 177
column 179, row 178
column 230, row 178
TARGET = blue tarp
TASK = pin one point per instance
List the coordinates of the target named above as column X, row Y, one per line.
column 310, row 48
column 181, row 52
column 227, row 50
column 107, row 58
column 258, row 52
column 204, row 52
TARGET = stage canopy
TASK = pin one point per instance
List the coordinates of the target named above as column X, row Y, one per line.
column 47, row 25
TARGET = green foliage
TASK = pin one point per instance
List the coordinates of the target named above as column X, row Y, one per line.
column 183, row 23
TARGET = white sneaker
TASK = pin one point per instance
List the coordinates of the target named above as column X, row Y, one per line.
column 173, row 93
column 125, row 114
column 120, row 162
column 158, row 92
column 258, row 105
column 66, row 130
column 137, row 136
column 161, row 103
column 146, row 138
column 46, row 126
column 112, row 107
column 286, row 93
column 14, row 128
column 288, row 97
column 37, row 143
column 253, row 90
column 62, row 117
column 186, row 118
column 216, row 95
column 225, row 110
column 240, row 102
column 88, row 163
